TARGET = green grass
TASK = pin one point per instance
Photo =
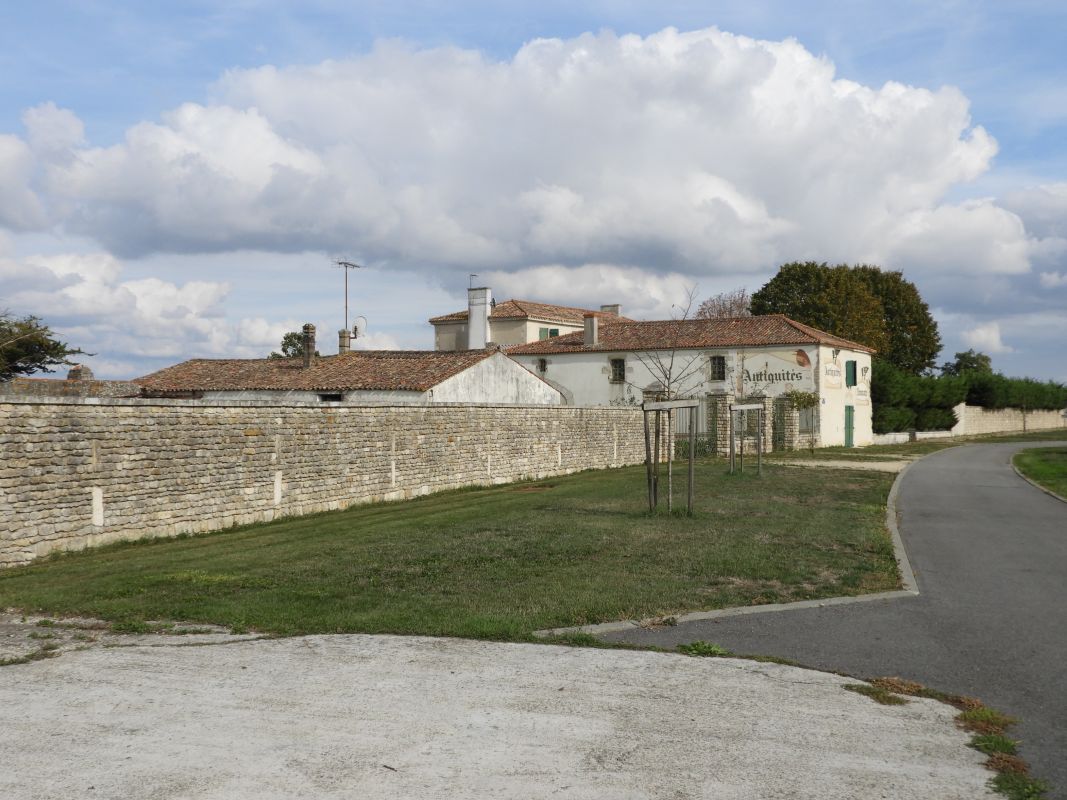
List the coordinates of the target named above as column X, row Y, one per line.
column 496, row 562
column 877, row 693
column 1046, row 466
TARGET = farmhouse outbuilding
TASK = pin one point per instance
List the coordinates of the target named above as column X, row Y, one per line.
column 356, row 377
column 718, row 361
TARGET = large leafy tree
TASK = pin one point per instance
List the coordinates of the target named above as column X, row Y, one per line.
column 833, row 299
column 969, row 361
column 912, row 339
column 28, row 346
column 863, row 303
column 292, row 346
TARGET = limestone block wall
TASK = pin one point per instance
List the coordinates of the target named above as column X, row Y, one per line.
column 81, row 472
column 973, row 420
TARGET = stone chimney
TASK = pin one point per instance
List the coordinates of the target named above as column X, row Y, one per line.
column 309, row 344
column 478, row 307
column 79, row 372
column 344, row 341
column 592, row 332
column 613, row 308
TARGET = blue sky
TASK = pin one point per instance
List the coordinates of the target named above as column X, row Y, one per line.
column 114, row 231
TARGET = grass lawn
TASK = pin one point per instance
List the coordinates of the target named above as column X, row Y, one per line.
column 1046, row 466
column 496, row 562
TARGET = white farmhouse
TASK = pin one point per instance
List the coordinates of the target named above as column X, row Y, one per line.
column 717, row 360
column 508, row 322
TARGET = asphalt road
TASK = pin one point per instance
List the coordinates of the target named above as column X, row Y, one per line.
column 990, row 556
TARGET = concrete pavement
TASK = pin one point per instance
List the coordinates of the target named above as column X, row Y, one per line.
column 990, row 555
column 352, row 716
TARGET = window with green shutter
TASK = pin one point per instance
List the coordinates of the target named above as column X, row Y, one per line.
column 850, row 373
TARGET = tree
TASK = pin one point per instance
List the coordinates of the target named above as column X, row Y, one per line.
column 726, row 304
column 833, row 299
column 969, row 361
column 862, row 303
column 292, row 346
column 27, row 346
column 912, row 339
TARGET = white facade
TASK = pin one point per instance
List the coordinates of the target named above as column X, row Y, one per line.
column 587, row 377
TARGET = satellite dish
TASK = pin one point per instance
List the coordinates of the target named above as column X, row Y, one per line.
column 360, row 328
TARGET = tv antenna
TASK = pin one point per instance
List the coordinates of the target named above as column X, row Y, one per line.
column 470, row 282
column 346, row 266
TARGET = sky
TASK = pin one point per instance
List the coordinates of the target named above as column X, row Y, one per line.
column 177, row 179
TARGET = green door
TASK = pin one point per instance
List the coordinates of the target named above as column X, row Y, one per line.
column 850, row 421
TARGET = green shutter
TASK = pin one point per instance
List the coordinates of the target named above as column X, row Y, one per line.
column 850, row 373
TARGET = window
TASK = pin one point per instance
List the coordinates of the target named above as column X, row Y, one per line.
column 542, row 365
column 718, row 368
column 618, row 370
column 331, row 398
column 850, row 373
column 548, row 333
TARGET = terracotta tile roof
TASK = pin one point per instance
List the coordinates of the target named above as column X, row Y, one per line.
column 671, row 334
column 527, row 309
column 408, row 370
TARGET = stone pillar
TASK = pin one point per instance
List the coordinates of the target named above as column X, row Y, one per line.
column 788, row 437
column 768, row 421
column 719, row 422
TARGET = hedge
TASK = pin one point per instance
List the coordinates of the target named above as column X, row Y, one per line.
column 903, row 401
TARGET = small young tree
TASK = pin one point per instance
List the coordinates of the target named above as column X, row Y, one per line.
column 726, row 304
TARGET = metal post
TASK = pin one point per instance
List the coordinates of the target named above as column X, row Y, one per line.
column 655, row 463
column 648, row 462
column 692, row 456
column 670, row 461
column 759, row 443
column 731, row 412
column 741, row 449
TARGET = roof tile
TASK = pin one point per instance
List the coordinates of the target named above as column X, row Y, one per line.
column 527, row 309
column 397, row 370
column 672, row 334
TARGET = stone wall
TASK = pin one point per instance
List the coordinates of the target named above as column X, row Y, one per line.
column 58, row 387
column 973, row 420
column 76, row 473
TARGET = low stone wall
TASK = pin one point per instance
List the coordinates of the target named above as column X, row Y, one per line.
column 57, row 387
column 974, row 420
column 76, row 473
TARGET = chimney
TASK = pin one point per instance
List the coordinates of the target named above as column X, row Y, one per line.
column 309, row 344
column 592, row 334
column 478, row 305
column 80, row 372
column 344, row 341
column 613, row 308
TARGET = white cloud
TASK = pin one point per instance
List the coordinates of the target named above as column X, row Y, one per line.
column 700, row 152
column 1053, row 280
column 986, row 338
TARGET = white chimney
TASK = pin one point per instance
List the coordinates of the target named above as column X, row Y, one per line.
column 344, row 341
column 478, row 307
column 592, row 334
column 613, row 308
